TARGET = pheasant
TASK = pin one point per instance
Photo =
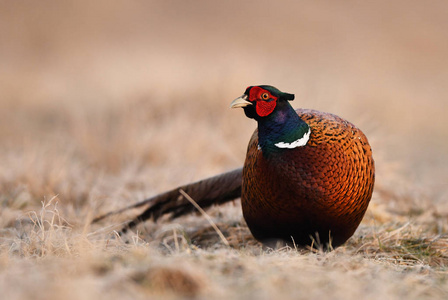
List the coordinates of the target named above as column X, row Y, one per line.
column 308, row 176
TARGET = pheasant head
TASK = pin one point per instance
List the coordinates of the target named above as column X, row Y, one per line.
column 279, row 126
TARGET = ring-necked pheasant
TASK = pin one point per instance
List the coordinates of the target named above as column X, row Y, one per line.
column 308, row 175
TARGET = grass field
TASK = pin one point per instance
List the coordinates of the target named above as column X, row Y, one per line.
column 103, row 105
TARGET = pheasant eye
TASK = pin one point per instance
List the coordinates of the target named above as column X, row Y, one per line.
column 265, row 96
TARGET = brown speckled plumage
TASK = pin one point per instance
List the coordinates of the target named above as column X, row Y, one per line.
column 323, row 187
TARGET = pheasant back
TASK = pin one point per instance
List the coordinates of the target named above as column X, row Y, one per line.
column 316, row 192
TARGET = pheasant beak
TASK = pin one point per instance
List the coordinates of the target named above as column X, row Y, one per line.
column 240, row 102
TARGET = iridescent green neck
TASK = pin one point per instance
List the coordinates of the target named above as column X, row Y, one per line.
column 282, row 130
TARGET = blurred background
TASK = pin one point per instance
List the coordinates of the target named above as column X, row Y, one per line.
column 104, row 100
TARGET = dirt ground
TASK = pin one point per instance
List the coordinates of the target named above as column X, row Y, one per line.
column 105, row 104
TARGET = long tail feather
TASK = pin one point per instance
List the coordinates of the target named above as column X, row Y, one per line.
column 207, row 192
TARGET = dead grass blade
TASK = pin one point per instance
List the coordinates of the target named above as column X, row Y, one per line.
column 207, row 217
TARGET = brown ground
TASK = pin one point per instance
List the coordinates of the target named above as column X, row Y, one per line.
column 102, row 105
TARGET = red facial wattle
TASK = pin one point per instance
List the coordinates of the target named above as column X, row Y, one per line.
column 265, row 108
column 262, row 106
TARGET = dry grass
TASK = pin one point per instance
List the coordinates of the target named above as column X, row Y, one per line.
column 104, row 105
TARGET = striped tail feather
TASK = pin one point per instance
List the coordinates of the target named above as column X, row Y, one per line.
column 214, row 190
